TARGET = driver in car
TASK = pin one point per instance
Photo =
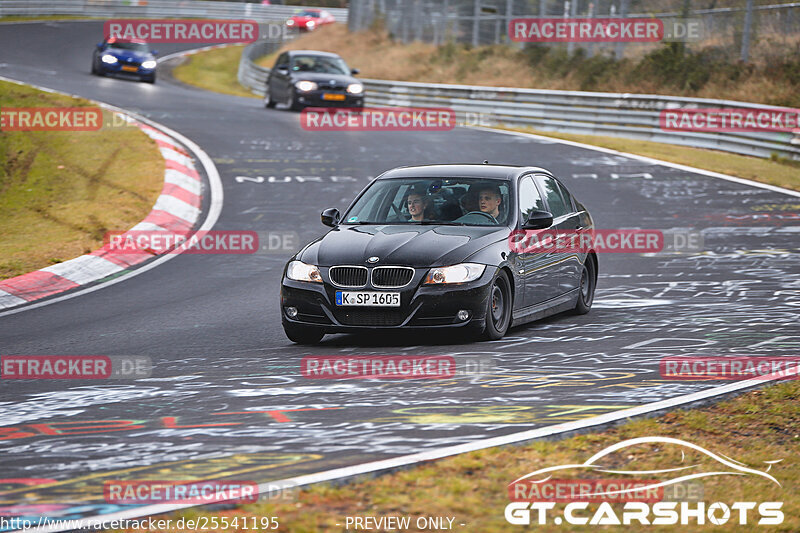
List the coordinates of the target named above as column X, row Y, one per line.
column 489, row 200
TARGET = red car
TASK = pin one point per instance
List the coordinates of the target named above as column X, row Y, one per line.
column 310, row 19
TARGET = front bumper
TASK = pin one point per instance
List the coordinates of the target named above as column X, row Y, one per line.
column 117, row 68
column 421, row 306
column 316, row 99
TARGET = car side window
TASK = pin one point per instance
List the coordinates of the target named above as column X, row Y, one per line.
column 567, row 197
column 554, row 200
column 529, row 198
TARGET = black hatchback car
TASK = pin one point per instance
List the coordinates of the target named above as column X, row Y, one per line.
column 306, row 78
column 432, row 247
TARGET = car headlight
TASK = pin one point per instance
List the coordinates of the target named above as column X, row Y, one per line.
column 149, row 64
column 455, row 274
column 310, row 24
column 355, row 88
column 290, row 22
column 108, row 58
column 300, row 271
column 305, row 86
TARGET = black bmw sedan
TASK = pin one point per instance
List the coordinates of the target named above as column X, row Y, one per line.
column 433, row 247
column 303, row 78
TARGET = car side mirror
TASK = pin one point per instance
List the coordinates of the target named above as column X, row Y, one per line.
column 154, row 52
column 538, row 220
column 100, row 46
column 282, row 70
column 330, row 217
column 354, row 71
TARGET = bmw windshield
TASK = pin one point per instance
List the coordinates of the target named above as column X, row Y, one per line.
column 444, row 201
column 319, row 64
column 136, row 47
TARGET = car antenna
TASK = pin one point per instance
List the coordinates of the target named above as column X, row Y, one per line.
column 485, row 161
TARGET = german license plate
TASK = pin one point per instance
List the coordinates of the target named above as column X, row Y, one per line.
column 368, row 299
column 129, row 68
column 337, row 97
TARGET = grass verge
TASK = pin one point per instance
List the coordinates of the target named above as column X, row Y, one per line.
column 781, row 173
column 755, row 427
column 706, row 72
column 213, row 70
column 61, row 191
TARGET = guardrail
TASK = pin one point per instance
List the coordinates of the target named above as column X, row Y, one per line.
column 633, row 116
column 156, row 9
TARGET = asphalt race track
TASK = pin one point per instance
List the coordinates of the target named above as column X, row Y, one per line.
column 226, row 399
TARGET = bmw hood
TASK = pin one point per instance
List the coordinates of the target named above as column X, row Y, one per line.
column 404, row 245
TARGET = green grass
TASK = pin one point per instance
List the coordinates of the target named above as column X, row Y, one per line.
column 780, row 172
column 214, row 70
column 761, row 425
column 61, row 191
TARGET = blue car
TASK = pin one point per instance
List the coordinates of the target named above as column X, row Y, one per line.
column 125, row 57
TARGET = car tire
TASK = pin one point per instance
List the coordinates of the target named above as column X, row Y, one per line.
column 302, row 334
column 586, row 288
column 269, row 103
column 498, row 310
column 291, row 102
column 151, row 79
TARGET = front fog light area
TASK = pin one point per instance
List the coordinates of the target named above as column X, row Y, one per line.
column 463, row 315
column 291, row 312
